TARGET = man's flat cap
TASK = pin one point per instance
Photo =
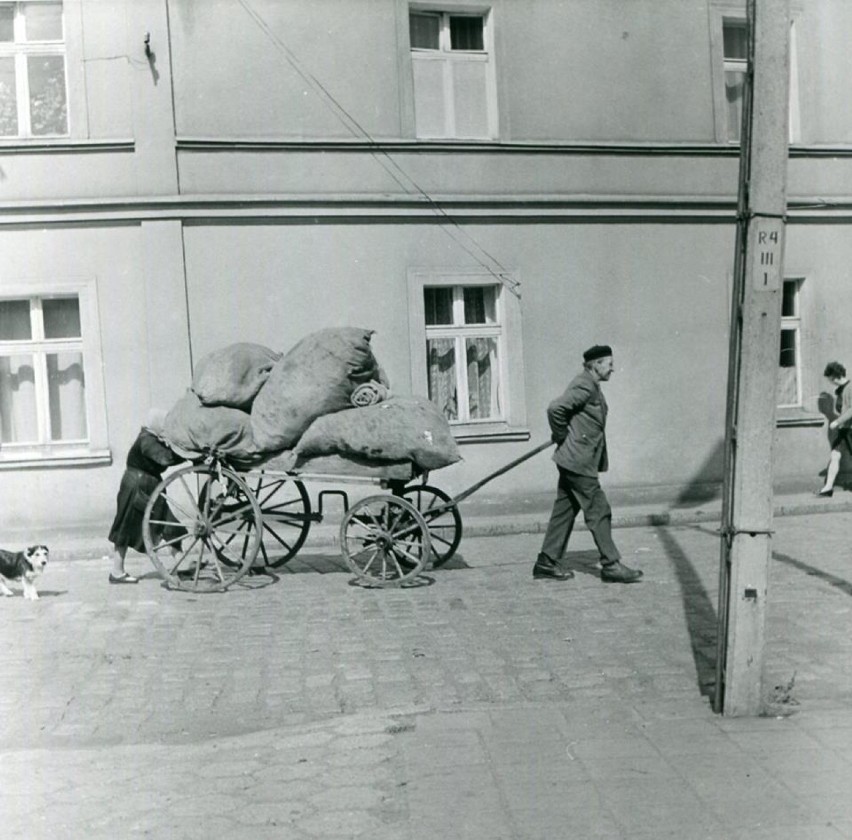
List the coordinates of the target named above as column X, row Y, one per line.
column 599, row 351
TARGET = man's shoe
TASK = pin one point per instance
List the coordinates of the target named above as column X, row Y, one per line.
column 546, row 568
column 619, row 573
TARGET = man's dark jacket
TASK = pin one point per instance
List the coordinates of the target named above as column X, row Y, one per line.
column 578, row 422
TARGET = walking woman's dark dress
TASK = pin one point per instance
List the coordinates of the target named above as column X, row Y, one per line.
column 147, row 460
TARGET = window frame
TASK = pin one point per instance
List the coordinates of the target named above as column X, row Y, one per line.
column 448, row 56
column 733, row 65
column 45, row 452
column 20, row 50
column 793, row 323
column 512, row 425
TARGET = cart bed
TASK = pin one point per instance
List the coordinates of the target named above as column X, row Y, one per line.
column 339, row 466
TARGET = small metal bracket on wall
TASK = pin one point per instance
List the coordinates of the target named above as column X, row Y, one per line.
column 147, row 41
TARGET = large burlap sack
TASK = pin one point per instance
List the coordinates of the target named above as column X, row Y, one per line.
column 316, row 377
column 198, row 428
column 233, row 375
column 399, row 429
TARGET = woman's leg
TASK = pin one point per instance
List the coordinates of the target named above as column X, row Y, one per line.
column 832, row 470
column 118, row 575
column 118, row 555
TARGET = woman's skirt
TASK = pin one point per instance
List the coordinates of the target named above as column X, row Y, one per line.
column 133, row 494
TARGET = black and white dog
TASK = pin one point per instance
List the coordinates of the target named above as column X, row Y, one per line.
column 25, row 566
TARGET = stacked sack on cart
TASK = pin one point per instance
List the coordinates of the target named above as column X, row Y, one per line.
column 327, row 396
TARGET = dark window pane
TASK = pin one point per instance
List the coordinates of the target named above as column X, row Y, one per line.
column 788, row 349
column 425, row 31
column 439, row 305
column 482, row 381
column 7, row 22
column 43, row 21
column 443, row 389
column 15, row 320
column 735, row 38
column 474, row 306
column 479, row 305
column 466, row 33
column 8, row 98
column 48, row 110
column 61, row 317
column 734, row 87
column 788, row 302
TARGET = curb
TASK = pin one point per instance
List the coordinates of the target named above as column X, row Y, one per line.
column 65, row 546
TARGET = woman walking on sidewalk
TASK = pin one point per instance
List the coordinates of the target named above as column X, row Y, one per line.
column 840, row 434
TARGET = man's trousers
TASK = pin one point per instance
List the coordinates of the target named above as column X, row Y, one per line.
column 575, row 492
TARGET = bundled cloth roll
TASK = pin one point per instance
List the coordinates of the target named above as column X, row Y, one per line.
column 369, row 393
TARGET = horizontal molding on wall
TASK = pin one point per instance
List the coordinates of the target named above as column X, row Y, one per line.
column 18, row 146
column 364, row 209
column 235, row 144
column 64, row 146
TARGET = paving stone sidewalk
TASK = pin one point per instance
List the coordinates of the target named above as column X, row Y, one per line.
column 480, row 704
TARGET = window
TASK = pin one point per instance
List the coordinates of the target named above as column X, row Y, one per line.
column 466, row 350
column 33, row 95
column 51, row 393
column 730, row 56
column 463, row 350
column 735, row 49
column 790, row 361
column 454, row 86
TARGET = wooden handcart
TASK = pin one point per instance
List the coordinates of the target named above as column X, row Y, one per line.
column 210, row 523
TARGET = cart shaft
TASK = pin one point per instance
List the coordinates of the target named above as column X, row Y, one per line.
column 511, row 465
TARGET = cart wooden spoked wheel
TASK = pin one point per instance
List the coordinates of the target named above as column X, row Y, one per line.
column 384, row 541
column 201, row 528
column 285, row 508
column 442, row 519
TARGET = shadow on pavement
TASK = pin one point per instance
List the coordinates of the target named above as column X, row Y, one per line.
column 699, row 611
column 334, row 564
column 323, row 564
column 844, row 586
column 455, row 563
column 583, row 562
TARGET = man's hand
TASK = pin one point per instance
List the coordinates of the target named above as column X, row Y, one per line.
column 832, row 424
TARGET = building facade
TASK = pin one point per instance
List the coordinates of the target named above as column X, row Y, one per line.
column 492, row 187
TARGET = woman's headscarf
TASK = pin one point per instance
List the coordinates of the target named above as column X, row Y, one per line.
column 156, row 421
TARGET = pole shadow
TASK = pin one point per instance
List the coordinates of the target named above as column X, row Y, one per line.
column 844, row 586
column 700, row 613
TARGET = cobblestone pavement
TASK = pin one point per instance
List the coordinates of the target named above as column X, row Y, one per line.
column 480, row 704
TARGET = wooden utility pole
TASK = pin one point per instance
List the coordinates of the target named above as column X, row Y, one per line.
column 753, row 363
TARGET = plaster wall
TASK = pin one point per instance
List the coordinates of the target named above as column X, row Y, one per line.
column 136, row 312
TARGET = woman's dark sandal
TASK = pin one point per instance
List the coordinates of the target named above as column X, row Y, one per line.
column 123, row 578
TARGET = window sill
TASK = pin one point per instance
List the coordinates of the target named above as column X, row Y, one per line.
column 51, row 145
column 488, row 433
column 787, row 417
column 32, row 460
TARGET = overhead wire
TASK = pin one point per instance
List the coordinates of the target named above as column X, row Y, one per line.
column 405, row 181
